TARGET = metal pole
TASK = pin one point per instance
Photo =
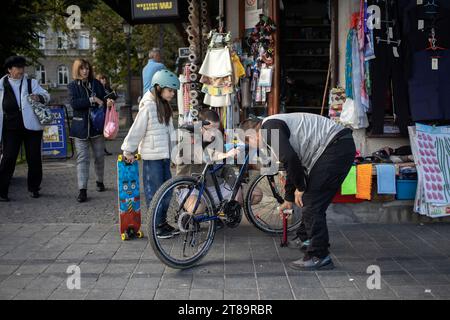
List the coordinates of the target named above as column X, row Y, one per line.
column 128, row 98
column 221, row 16
column 161, row 39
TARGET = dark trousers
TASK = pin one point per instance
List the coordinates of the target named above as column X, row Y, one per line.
column 324, row 181
column 386, row 70
column 11, row 141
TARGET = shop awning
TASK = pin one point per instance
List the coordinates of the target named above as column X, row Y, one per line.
column 149, row 11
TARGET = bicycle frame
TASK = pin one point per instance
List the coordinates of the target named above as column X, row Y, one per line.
column 211, row 169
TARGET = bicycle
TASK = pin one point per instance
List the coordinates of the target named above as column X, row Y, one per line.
column 197, row 229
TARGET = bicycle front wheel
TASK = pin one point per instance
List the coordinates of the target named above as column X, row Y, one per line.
column 196, row 230
column 265, row 194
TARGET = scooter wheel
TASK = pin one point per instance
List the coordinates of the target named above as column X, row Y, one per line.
column 124, row 236
column 140, row 234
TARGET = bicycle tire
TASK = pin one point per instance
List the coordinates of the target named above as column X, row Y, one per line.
column 151, row 227
column 253, row 219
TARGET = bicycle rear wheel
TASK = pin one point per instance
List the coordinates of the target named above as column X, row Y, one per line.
column 196, row 230
column 264, row 215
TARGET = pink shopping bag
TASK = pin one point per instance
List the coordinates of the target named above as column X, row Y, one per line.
column 111, row 123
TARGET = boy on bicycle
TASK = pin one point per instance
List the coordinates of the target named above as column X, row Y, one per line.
column 226, row 176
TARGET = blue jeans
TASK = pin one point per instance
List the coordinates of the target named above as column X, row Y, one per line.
column 156, row 172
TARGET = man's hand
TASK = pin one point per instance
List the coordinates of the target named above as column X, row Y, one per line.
column 299, row 198
column 287, row 205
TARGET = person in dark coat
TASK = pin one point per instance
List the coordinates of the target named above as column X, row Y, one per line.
column 87, row 93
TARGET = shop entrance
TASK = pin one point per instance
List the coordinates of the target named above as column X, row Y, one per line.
column 305, row 30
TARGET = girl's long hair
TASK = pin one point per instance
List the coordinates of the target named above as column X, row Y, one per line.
column 163, row 108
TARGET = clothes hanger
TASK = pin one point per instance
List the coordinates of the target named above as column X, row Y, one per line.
column 433, row 41
column 435, row 49
column 432, row 6
column 389, row 41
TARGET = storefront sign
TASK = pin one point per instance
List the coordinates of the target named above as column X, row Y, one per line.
column 184, row 52
column 154, row 10
column 55, row 140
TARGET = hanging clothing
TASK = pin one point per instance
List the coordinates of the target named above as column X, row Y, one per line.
column 429, row 89
column 417, row 28
column 349, row 65
column 355, row 73
column 217, row 101
column 238, row 68
column 387, row 70
column 429, row 83
column 217, row 63
column 217, row 72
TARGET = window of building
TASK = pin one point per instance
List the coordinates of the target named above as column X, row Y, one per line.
column 41, row 36
column 63, row 75
column 41, row 74
column 63, row 41
column 83, row 41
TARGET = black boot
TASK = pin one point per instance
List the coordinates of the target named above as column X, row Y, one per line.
column 82, row 197
column 100, row 187
column 35, row 194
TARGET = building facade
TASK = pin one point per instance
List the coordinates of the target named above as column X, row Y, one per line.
column 54, row 70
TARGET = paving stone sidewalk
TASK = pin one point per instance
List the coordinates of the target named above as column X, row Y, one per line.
column 42, row 238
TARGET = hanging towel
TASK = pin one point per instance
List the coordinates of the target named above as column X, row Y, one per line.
column 349, row 185
column 364, row 181
column 386, row 179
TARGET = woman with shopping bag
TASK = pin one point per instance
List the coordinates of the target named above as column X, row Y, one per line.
column 88, row 101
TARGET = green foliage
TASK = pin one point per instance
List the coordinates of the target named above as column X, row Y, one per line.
column 110, row 55
column 24, row 19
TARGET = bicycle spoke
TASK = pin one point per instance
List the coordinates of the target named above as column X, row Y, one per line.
column 194, row 238
column 265, row 214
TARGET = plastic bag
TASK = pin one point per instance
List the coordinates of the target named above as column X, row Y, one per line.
column 111, row 123
column 348, row 112
column 353, row 116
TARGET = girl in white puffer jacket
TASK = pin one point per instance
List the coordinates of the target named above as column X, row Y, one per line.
column 152, row 133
